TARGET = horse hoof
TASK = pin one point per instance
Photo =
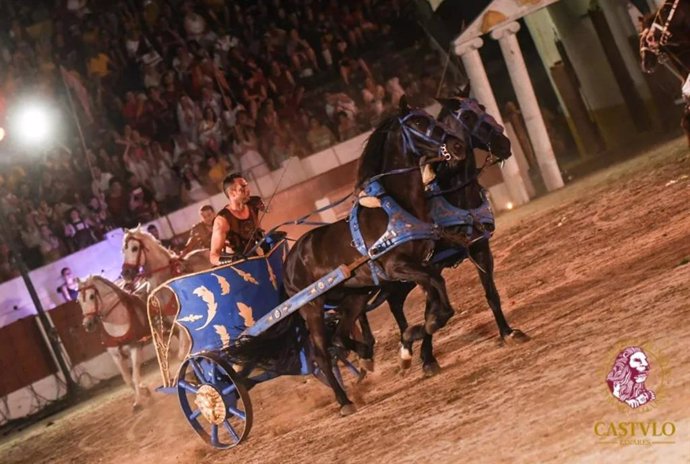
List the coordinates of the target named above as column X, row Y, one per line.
column 136, row 407
column 431, row 369
column 348, row 409
column 405, row 365
column 367, row 364
column 516, row 337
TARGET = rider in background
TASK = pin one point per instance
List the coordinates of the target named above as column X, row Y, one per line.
column 201, row 232
column 236, row 226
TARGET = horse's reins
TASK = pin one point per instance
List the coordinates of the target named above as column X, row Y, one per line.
column 408, row 135
column 96, row 312
column 661, row 48
column 265, row 211
column 173, row 264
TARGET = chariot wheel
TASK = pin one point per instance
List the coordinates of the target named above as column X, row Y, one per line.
column 214, row 400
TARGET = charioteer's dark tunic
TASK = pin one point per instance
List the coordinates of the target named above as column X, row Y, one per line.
column 243, row 233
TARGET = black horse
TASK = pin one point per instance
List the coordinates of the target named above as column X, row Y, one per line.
column 665, row 37
column 394, row 156
column 458, row 185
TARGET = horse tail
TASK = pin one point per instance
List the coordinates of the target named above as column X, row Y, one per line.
column 278, row 349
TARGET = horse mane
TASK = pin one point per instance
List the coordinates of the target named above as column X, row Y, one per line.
column 124, row 295
column 371, row 161
column 147, row 238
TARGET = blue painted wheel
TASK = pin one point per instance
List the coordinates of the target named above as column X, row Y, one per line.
column 214, row 400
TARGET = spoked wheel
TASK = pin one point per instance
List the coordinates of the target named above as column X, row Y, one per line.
column 214, row 400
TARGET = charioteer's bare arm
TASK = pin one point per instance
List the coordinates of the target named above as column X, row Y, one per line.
column 220, row 230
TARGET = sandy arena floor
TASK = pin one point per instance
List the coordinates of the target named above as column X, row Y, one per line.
column 586, row 271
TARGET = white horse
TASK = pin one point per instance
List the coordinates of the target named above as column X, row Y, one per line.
column 148, row 263
column 124, row 321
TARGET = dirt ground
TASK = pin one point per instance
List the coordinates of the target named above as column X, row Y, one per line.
column 586, row 271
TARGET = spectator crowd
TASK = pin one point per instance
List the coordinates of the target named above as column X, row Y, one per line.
column 173, row 94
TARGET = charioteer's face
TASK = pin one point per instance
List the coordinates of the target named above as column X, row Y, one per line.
column 239, row 191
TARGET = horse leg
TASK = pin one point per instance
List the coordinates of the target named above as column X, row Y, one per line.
column 439, row 310
column 430, row 365
column 396, row 304
column 139, row 387
column 368, row 339
column 313, row 315
column 480, row 252
column 685, row 123
column 351, row 310
column 114, row 352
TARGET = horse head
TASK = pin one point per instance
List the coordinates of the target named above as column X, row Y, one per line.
column 468, row 116
column 663, row 34
column 136, row 243
column 650, row 39
column 89, row 301
column 424, row 136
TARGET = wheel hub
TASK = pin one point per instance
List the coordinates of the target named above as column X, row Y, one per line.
column 211, row 404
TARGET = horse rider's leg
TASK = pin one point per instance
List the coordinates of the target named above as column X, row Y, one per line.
column 396, row 302
column 480, row 252
column 313, row 315
column 121, row 364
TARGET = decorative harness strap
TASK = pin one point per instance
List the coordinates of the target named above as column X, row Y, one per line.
column 97, row 305
column 402, row 227
column 137, row 331
column 444, row 214
column 175, row 265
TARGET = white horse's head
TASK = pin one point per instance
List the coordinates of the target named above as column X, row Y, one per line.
column 136, row 244
column 90, row 301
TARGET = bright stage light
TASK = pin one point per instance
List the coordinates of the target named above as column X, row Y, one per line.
column 32, row 123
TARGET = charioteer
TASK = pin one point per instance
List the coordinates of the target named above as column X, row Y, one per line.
column 236, row 227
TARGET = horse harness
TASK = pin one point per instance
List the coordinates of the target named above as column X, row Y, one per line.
column 136, row 332
column 402, row 226
column 649, row 44
column 175, row 265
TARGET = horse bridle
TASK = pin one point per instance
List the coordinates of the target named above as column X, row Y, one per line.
column 471, row 104
column 409, row 134
column 137, row 264
column 174, row 264
column 484, row 120
column 660, row 48
column 96, row 312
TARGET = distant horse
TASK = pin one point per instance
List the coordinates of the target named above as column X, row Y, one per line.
column 396, row 153
column 148, row 262
column 123, row 317
column 665, row 38
column 459, row 203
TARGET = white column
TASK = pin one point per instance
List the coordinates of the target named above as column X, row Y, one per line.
column 481, row 88
column 528, row 104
